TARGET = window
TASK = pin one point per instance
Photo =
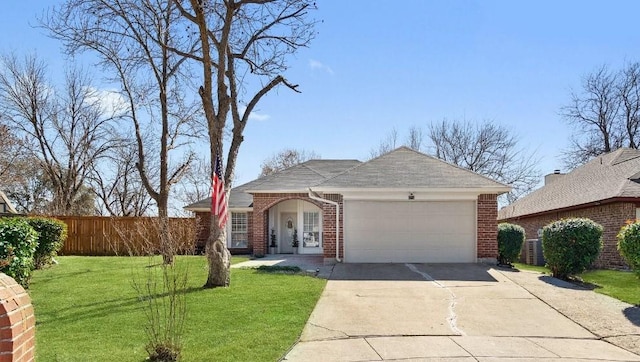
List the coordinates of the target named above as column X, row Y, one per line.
column 239, row 229
column 311, row 230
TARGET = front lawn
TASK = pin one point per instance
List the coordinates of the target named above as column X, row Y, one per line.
column 87, row 310
column 622, row 285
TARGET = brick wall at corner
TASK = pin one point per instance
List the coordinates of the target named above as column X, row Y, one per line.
column 17, row 322
column 329, row 226
column 611, row 216
column 487, row 226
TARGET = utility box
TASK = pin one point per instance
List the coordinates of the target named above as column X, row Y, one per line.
column 533, row 252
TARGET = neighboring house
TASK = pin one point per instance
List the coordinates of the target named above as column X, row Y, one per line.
column 403, row 206
column 5, row 205
column 605, row 190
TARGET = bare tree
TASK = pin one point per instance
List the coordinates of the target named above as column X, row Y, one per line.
column 12, row 150
column 389, row 143
column 68, row 128
column 117, row 184
column 284, row 159
column 194, row 186
column 242, row 43
column 135, row 42
column 594, row 114
column 28, row 187
column 414, row 138
column 628, row 90
column 488, row 149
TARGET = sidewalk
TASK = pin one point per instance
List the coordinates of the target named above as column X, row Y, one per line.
column 308, row 263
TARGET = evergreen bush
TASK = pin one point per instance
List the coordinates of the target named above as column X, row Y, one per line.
column 18, row 242
column 571, row 245
column 629, row 245
column 52, row 235
column 510, row 240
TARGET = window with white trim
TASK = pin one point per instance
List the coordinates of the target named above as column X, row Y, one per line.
column 311, row 230
column 239, row 229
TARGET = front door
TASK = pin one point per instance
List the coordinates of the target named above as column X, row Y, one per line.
column 288, row 223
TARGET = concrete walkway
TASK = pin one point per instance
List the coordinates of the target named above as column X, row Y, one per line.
column 313, row 264
column 374, row 312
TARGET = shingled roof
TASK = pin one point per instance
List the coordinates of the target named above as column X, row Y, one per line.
column 298, row 177
column 407, row 168
column 612, row 175
column 402, row 168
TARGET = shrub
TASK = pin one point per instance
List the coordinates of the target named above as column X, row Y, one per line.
column 18, row 243
column 510, row 240
column 629, row 245
column 52, row 235
column 571, row 245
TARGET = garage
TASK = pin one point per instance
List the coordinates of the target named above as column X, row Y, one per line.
column 410, row 231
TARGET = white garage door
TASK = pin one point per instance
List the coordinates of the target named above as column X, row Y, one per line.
column 409, row 231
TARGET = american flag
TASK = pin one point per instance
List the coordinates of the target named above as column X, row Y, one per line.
column 218, row 196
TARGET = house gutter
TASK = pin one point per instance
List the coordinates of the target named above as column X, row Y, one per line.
column 314, row 196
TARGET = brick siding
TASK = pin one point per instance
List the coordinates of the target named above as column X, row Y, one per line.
column 329, row 226
column 611, row 216
column 487, row 227
column 261, row 205
column 17, row 322
column 487, row 211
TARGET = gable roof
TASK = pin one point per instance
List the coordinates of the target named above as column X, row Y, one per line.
column 298, row 177
column 402, row 168
column 301, row 176
column 407, row 168
column 615, row 174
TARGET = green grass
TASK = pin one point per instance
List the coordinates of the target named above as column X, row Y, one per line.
column 235, row 259
column 622, row 285
column 87, row 310
column 535, row 268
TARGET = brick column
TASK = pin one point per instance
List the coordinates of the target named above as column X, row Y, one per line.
column 487, row 232
column 17, row 322
column 329, row 228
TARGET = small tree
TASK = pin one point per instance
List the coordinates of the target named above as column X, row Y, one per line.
column 161, row 287
column 571, row 245
column 510, row 239
column 629, row 245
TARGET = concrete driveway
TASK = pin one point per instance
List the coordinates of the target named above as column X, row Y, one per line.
column 459, row 312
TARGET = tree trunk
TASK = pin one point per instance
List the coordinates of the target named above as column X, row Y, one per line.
column 218, row 256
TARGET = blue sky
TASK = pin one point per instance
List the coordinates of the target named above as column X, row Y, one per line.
column 376, row 65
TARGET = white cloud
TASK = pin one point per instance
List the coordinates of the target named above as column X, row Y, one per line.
column 255, row 116
column 317, row 65
column 110, row 101
column 258, row 116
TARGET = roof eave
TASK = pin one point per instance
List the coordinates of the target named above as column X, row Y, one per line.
column 498, row 190
column 573, row 207
column 208, row 209
column 277, row 191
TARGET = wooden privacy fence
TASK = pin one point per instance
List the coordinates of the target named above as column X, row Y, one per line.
column 104, row 235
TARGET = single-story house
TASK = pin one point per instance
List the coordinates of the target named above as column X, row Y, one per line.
column 5, row 205
column 605, row 190
column 403, row 206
